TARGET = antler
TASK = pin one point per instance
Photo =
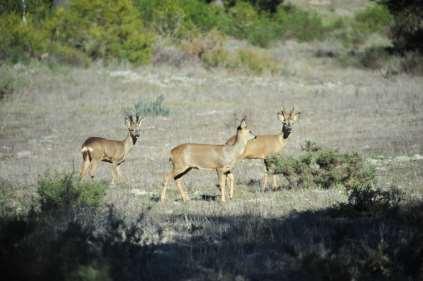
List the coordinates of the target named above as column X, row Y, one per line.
column 283, row 111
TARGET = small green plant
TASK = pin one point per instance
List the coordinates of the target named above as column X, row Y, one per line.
column 322, row 167
column 151, row 107
column 66, row 190
column 13, row 202
column 93, row 272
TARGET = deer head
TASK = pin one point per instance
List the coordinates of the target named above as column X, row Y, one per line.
column 287, row 118
column 133, row 124
column 243, row 132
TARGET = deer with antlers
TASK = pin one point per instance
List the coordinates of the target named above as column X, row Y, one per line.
column 220, row 158
column 95, row 149
column 264, row 145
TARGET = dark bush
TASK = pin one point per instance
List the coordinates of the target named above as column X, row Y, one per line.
column 407, row 30
column 369, row 199
column 262, row 5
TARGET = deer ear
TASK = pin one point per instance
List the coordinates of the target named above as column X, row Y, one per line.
column 281, row 116
column 243, row 124
column 127, row 122
column 140, row 121
column 295, row 116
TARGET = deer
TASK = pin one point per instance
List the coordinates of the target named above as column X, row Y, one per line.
column 96, row 149
column 265, row 145
column 220, row 158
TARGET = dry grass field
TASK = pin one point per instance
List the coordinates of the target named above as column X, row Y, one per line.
column 43, row 126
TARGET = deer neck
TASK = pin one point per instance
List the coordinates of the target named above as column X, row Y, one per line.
column 238, row 148
column 128, row 143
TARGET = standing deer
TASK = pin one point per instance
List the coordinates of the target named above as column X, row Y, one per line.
column 264, row 145
column 220, row 158
column 95, row 149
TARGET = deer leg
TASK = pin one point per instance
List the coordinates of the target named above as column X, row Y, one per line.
column 166, row 179
column 115, row 172
column 264, row 182
column 274, row 182
column 222, row 178
column 119, row 174
column 181, row 190
column 93, row 168
column 85, row 165
column 230, row 181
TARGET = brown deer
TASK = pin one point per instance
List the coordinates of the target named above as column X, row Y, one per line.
column 220, row 158
column 264, row 145
column 95, row 149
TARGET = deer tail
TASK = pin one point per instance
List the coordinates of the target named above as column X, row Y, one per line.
column 86, row 153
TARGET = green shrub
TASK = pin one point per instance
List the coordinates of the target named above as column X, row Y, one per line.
column 66, row 190
column 243, row 18
column 179, row 19
column 264, row 31
column 373, row 19
column 169, row 18
column 102, row 29
column 151, row 107
column 322, row 167
column 300, row 24
column 20, row 40
column 356, row 30
column 204, row 17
